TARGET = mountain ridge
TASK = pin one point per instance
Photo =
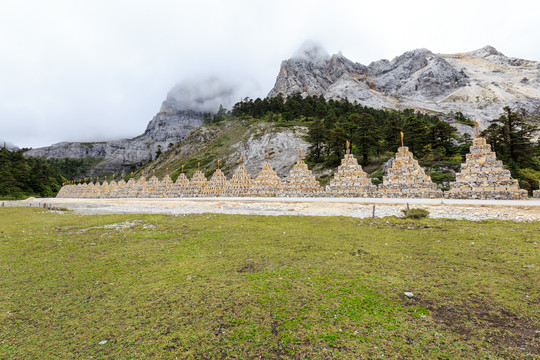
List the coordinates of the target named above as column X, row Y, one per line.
column 478, row 83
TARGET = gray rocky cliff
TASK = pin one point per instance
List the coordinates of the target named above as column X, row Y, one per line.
column 281, row 145
column 166, row 128
column 478, row 83
column 254, row 142
column 312, row 71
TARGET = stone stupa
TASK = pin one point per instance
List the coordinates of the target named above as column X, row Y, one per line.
column 197, row 183
column 119, row 190
column 301, row 181
column 152, row 188
column 406, row 179
column 216, row 184
column 267, row 183
column 127, row 190
column 104, row 189
column 166, row 186
column 536, row 193
column 181, row 187
column 240, row 183
column 350, row 179
column 482, row 176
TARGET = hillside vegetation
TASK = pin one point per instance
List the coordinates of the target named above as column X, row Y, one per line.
column 22, row 177
column 245, row 287
column 374, row 136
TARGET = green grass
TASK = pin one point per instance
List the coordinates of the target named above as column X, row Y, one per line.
column 244, row 287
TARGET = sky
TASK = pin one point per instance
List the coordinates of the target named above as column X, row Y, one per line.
column 74, row 70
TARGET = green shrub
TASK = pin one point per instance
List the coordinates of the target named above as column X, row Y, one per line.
column 415, row 213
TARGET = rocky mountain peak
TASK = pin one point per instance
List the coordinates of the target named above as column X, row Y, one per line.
column 485, row 52
column 477, row 83
column 312, row 70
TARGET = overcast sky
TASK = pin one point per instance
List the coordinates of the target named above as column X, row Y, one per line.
column 75, row 70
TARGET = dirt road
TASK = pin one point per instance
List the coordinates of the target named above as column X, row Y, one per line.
column 524, row 210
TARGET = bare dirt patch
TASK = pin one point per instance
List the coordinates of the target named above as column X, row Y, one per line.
column 503, row 329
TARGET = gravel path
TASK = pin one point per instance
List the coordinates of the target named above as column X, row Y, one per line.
column 522, row 210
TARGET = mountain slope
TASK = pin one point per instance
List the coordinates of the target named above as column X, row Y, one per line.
column 231, row 141
column 478, row 83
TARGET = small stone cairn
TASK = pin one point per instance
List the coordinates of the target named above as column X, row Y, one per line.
column 240, row 183
column 104, row 189
column 198, row 183
column 216, row 184
column 88, row 191
column 406, row 179
column 113, row 187
column 152, row 188
column 301, row 182
column 166, row 186
column 117, row 191
column 128, row 189
column 482, row 176
column 140, row 190
column 181, row 187
column 536, row 193
column 267, row 183
column 350, row 179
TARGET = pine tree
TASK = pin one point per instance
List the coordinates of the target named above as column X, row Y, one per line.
column 317, row 138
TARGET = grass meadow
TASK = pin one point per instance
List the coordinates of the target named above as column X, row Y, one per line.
column 244, row 287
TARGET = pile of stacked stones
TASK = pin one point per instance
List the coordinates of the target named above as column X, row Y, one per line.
column 119, row 188
column 536, row 193
column 407, row 179
column 128, row 188
column 104, row 190
column 88, row 191
column 350, row 180
column 482, row 176
column 301, row 181
column 197, row 184
column 240, row 182
column 153, row 188
column 165, row 187
column 267, row 183
column 216, row 185
column 181, row 186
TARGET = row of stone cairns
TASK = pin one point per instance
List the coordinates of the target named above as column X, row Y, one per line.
column 482, row 176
